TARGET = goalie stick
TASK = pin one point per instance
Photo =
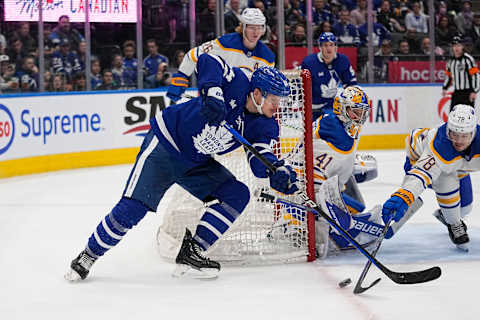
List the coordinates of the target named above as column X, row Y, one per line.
column 358, row 286
column 397, row 277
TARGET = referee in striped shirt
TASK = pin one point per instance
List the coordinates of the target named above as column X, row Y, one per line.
column 462, row 72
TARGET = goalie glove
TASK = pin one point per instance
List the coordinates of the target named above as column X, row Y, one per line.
column 284, row 179
column 365, row 168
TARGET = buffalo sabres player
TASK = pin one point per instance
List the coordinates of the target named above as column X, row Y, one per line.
column 242, row 49
column 328, row 69
column 441, row 158
column 335, row 141
column 179, row 148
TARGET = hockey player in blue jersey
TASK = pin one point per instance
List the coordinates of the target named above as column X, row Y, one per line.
column 179, row 149
column 241, row 49
column 328, row 69
column 441, row 158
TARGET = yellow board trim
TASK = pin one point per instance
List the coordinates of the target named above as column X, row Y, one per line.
column 384, row 141
column 17, row 167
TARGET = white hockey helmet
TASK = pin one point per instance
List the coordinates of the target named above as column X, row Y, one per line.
column 253, row 16
column 352, row 107
column 462, row 120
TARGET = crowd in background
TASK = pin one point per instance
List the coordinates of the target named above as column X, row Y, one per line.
column 400, row 33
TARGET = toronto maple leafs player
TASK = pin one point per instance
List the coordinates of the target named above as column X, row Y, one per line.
column 441, row 158
column 241, row 49
column 179, row 149
column 328, row 69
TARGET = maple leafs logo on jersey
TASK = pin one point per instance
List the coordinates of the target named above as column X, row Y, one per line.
column 330, row 90
column 213, row 140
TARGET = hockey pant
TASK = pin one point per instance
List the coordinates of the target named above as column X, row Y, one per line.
column 154, row 172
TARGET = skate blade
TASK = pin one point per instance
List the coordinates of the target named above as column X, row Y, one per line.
column 72, row 276
column 183, row 270
column 462, row 247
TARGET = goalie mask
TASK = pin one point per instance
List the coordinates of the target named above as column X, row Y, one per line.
column 461, row 126
column 352, row 106
column 269, row 81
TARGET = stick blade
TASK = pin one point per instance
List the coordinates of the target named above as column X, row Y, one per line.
column 359, row 289
column 416, row 276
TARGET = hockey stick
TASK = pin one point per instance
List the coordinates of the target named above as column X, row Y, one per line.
column 358, row 287
column 398, row 277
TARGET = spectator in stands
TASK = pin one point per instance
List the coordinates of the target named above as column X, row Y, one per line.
column 358, row 16
column 380, row 33
column 320, row 13
column 129, row 60
column 444, row 33
column 58, row 83
column 403, row 49
column 124, row 77
column 468, row 45
column 23, row 33
column 108, row 83
column 386, row 17
column 426, row 47
column 160, row 79
column 48, row 46
column 325, row 26
column 64, row 31
column 416, row 21
column 65, row 61
column 79, row 82
column 293, row 14
column 297, row 36
column 178, row 21
column 153, row 60
column 8, row 83
column 346, row 32
column 474, row 32
column 442, row 11
column 464, row 19
column 206, row 25
column 177, row 60
column 95, row 75
column 16, row 52
column 28, row 75
column 232, row 16
column 3, row 44
column 381, row 60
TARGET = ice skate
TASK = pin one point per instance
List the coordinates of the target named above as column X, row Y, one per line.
column 458, row 235
column 190, row 259
column 439, row 215
column 80, row 267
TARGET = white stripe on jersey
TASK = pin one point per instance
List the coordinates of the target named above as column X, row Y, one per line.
column 139, row 167
column 164, row 131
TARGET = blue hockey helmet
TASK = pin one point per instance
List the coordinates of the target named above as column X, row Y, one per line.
column 270, row 80
column 326, row 37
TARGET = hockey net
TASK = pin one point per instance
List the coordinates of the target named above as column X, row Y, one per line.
column 265, row 233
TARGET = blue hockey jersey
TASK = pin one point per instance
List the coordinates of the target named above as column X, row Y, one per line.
column 327, row 77
column 186, row 134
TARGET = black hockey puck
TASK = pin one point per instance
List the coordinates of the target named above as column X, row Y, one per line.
column 344, row 283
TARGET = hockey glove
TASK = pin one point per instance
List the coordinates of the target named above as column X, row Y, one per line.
column 394, row 207
column 177, row 87
column 284, row 179
column 213, row 106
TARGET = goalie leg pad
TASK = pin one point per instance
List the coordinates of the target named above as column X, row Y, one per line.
column 126, row 214
column 233, row 197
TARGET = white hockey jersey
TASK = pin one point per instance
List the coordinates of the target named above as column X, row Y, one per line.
column 231, row 48
column 436, row 163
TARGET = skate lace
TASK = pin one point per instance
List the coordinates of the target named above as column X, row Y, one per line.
column 86, row 261
column 458, row 230
column 199, row 252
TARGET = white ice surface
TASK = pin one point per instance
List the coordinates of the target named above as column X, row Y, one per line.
column 46, row 219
